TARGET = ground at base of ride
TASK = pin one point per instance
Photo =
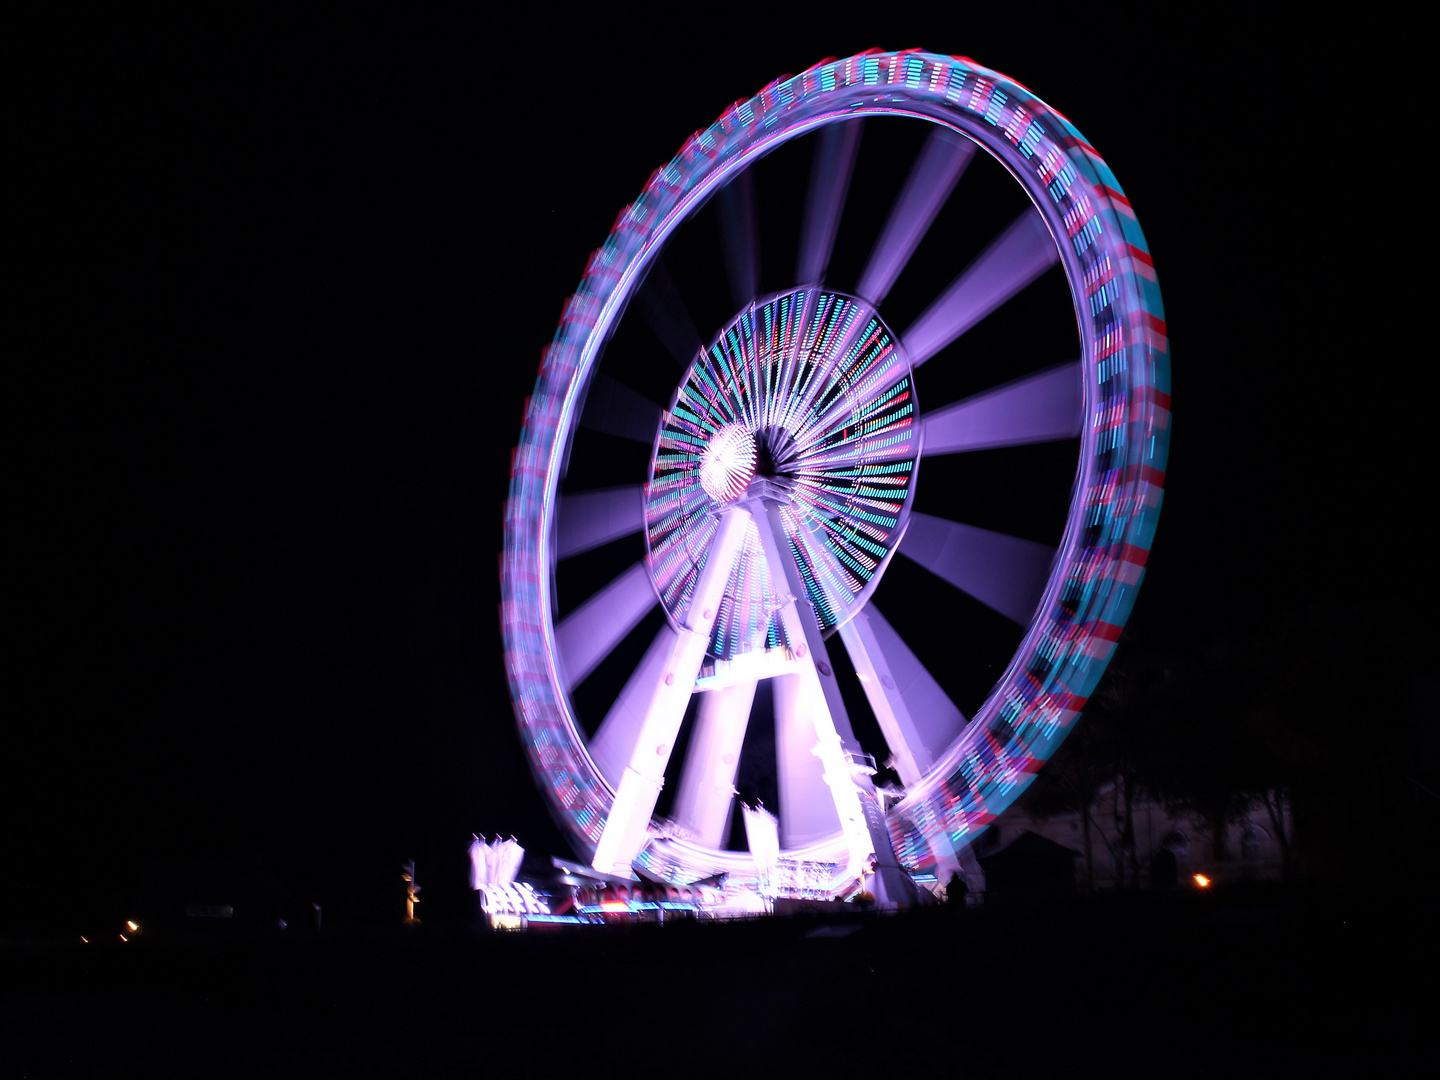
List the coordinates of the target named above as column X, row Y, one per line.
column 1267, row 981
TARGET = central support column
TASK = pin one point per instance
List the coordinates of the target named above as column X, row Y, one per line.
column 626, row 829
column 706, row 794
column 845, row 765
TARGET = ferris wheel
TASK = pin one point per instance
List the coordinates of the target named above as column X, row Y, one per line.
column 712, row 495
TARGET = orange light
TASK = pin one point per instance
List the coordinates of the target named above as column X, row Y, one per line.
column 85, row 939
column 124, row 938
column 133, row 925
column 1202, row 881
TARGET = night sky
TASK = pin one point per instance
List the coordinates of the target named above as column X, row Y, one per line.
column 280, row 290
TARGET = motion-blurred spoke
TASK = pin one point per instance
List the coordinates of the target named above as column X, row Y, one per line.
column 829, row 182
column 589, row 519
column 590, row 633
column 615, row 409
column 614, row 742
column 1017, row 257
column 740, row 239
column 916, row 716
column 934, row 175
column 1002, row 572
column 664, row 311
column 1038, row 408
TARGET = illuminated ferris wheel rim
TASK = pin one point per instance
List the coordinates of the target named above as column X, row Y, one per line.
column 1082, row 206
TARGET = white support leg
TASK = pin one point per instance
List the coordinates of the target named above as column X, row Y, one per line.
column 918, row 719
column 851, row 789
column 807, row 806
column 626, row 829
column 908, row 752
column 614, row 743
column 707, row 785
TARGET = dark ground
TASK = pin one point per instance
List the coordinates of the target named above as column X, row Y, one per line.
column 1257, row 981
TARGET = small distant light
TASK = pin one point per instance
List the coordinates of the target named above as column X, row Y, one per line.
column 1202, row 881
column 132, row 925
column 85, row 939
column 124, row 938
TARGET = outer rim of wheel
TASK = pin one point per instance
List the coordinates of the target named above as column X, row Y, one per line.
column 1114, row 506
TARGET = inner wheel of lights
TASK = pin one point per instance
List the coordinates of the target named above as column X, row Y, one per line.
column 782, row 473
column 810, row 391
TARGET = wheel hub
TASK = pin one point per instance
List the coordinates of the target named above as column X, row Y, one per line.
column 728, row 463
column 811, row 391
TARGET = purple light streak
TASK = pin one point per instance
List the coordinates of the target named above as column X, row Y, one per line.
column 590, row 633
column 739, row 238
column 1017, row 257
column 934, row 175
column 590, row 519
column 614, row 742
column 936, row 717
column 1038, row 408
column 829, row 184
column 615, row 409
column 1002, row 572
column 663, row 310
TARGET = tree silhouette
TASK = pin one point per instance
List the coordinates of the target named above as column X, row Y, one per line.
column 1323, row 712
column 1203, row 756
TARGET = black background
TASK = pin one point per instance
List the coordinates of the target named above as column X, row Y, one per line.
column 280, row 288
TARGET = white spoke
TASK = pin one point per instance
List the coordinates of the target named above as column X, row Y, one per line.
column 706, row 793
column 615, row 409
column 1038, row 408
column 739, row 239
column 589, row 519
column 829, row 182
column 934, row 175
column 1016, row 258
column 1003, row 572
column 625, row 832
column 916, row 716
column 590, row 633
